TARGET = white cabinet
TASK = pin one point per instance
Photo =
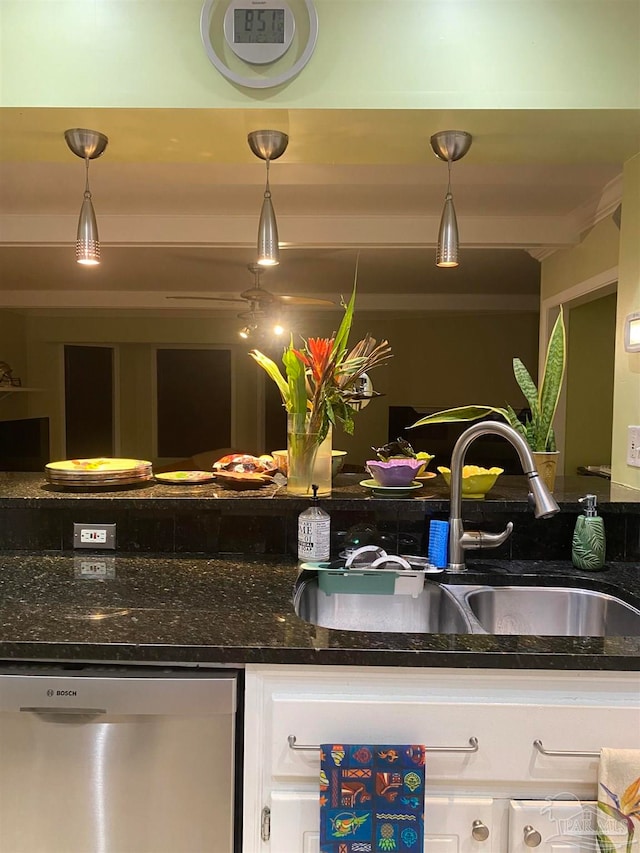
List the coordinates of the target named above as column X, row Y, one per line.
column 494, row 786
column 552, row 826
column 449, row 827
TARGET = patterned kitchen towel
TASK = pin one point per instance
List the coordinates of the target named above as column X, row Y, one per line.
column 619, row 801
column 371, row 798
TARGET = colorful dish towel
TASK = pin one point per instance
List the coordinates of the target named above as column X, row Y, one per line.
column 619, row 800
column 371, row 798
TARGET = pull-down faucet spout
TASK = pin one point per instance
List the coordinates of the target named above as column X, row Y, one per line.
column 543, row 501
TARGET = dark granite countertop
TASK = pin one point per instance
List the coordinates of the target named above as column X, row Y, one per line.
column 234, row 611
column 509, row 493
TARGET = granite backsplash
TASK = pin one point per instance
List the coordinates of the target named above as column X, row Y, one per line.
column 211, row 520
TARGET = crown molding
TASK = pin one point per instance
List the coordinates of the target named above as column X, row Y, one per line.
column 594, row 211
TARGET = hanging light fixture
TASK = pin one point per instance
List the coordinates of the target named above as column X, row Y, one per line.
column 449, row 145
column 268, row 145
column 87, row 144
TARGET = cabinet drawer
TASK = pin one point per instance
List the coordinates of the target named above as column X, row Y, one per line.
column 505, row 722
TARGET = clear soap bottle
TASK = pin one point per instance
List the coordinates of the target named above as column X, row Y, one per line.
column 589, row 542
column 314, row 533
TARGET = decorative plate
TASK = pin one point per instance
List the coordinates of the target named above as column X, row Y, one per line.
column 390, row 491
column 426, row 475
column 238, row 480
column 185, row 478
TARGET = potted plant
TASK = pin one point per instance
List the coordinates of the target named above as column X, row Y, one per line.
column 320, row 384
column 537, row 430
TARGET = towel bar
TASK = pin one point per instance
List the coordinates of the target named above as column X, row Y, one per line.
column 563, row 753
column 473, row 746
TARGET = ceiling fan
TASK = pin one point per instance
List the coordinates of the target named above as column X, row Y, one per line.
column 258, row 298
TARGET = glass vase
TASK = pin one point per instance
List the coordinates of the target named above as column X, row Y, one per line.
column 308, row 459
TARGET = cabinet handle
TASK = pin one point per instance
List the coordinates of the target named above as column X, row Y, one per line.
column 563, row 753
column 314, row 747
column 532, row 837
column 479, row 831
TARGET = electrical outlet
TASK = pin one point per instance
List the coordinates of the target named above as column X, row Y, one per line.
column 633, row 446
column 94, row 536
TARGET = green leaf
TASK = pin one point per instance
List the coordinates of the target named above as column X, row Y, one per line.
column 297, row 382
column 342, row 335
column 605, row 845
column 515, row 422
column 272, row 370
column 552, row 379
column 527, row 385
column 462, row 413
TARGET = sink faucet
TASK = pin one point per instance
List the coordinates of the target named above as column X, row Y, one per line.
column 544, row 504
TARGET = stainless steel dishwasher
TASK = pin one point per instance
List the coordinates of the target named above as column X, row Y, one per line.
column 110, row 760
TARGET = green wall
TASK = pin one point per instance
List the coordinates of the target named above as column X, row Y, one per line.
column 590, row 368
column 394, row 54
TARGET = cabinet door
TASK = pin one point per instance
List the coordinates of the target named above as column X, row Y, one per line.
column 449, row 824
column 452, row 822
column 552, row 826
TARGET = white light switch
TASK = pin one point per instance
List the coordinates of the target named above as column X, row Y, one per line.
column 633, row 446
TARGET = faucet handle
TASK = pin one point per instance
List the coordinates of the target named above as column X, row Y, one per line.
column 480, row 539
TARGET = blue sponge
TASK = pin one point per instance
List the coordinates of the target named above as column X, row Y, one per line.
column 438, row 543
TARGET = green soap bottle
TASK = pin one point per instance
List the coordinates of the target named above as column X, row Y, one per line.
column 589, row 543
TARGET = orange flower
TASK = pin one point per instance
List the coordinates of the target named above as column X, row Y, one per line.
column 630, row 800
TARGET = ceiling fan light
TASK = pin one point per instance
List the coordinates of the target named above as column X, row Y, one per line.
column 268, row 248
column 87, row 240
column 245, row 332
column 447, row 251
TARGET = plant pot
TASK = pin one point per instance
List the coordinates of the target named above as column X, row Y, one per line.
column 546, row 464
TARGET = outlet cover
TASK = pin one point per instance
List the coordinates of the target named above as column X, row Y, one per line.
column 633, row 446
column 94, row 536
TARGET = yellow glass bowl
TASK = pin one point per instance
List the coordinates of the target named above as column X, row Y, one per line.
column 476, row 482
column 426, row 458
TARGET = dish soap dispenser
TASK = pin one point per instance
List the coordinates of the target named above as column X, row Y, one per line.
column 314, row 533
column 588, row 546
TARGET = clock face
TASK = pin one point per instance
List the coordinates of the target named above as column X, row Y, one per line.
column 259, row 31
column 259, row 43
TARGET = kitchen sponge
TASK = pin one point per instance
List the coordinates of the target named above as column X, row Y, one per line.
column 438, row 543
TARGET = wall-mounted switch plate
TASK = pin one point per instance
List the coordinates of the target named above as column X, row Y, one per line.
column 94, row 536
column 633, row 446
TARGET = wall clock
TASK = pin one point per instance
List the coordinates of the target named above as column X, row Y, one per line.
column 259, row 43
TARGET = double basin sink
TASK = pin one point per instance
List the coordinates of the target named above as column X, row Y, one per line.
column 459, row 608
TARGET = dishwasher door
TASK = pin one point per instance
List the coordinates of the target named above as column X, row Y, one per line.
column 113, row 763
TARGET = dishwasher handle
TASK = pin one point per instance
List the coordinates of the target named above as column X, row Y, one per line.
column 64, row 712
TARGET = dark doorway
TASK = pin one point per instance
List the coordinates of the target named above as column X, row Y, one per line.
column 88, row 401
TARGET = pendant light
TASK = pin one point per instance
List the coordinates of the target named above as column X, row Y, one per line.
column 87, row 144
column 449, row 145
column 268, row 145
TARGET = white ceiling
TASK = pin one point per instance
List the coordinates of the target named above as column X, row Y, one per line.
column 178, row 207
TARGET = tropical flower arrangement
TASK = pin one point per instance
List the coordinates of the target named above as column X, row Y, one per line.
column 321, row 383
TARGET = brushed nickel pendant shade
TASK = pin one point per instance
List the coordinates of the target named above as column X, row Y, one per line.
column 449, row 145
column 268, row 145
column 88, row 144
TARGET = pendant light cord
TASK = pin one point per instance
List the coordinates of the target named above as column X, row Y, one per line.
column 448, row 195
column 87, row 191
column 267, row 189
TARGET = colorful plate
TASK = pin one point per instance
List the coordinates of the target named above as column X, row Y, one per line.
column 390, row 491
column 185, row 478
column 427, row 475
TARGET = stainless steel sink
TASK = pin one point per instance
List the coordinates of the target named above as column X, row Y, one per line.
column 432, row 611
column 471, row 609
column 552, row 611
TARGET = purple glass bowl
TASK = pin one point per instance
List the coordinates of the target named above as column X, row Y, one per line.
column 395, row 472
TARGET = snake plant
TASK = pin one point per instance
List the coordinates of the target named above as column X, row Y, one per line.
column 537, row 430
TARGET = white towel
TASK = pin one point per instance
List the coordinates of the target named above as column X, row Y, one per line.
column 619, row 801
